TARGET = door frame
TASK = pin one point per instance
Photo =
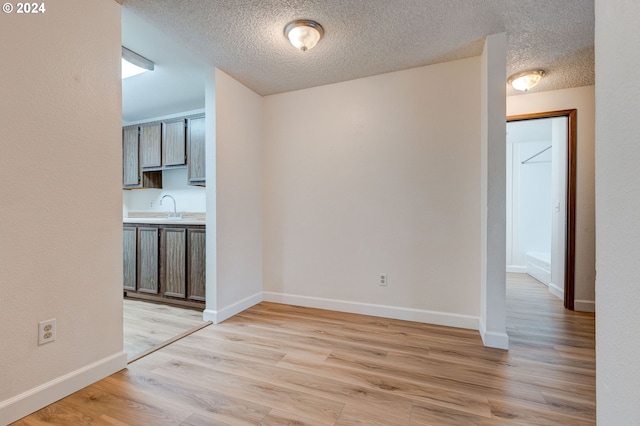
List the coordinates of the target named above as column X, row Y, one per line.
column 570, row 228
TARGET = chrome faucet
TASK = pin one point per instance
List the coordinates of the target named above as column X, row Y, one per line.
column 175, row 214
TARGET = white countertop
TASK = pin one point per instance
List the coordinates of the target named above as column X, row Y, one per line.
column 164, row 221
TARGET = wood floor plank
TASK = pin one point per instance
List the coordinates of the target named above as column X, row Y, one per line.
column 284, row 418
column 148, row 325
column 213, row 404
column 286, row 365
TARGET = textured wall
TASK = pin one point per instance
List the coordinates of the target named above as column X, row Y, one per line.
column 618, row 212
column 582, row 99
column 374, row 175
column 60, row 174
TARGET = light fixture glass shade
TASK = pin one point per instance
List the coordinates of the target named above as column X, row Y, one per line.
column 304, row 34
column 526, row 80
column 134, row 64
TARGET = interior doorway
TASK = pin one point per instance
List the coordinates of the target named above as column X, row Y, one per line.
column 541, row 192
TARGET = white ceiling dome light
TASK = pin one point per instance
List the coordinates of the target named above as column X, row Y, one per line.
column 526, row 80
column 304, row 34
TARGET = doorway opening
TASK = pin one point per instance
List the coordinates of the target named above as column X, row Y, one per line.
column 541, row 194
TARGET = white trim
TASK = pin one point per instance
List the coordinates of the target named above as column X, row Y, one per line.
column 517, row 269
column 225, row 313
column 584, row 305
column 556, row 291
column 408, row 314
column 34, row 399
column 492, row 339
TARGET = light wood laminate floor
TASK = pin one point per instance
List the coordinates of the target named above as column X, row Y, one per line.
column 148, row 325
column 283, row 365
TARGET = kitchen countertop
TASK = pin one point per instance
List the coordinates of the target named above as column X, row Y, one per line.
column 165, row 220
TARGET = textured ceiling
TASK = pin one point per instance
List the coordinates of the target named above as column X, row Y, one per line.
column 368, row 37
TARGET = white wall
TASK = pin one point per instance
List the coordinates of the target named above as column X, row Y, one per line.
column 559, row 132
column 533, row 186
column 492, row 209
column 582, row 99
column 60, row 215
column 377, row 175
column 238, row 206
column 618, row 212
column 174, row 182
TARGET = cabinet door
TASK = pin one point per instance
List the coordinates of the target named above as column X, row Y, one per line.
column 196, row 142
column 174, row 143
column 148, row 260
column 174, row 264
column 130, row 165
column 129, row 237
column 197, row 263
column 150, row 146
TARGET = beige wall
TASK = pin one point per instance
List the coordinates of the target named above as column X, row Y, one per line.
column 60, row 213
column 618, row 212
column 492, row 178
column 377, row 175
column 582, row 99
column 237, row 281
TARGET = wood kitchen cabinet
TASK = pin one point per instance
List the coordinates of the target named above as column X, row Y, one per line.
column 196, row 270
column 130, row 163
column 174, row 152
column 174, row 262
column 132, row 175
column 148, row 260
column 150, row 146
column 196, row 151
column 129, row 243
column 165, row 263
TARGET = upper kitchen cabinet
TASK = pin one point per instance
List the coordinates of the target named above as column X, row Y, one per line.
column 196, row 151
column 174, row 143
column 132, row 175
column 150, row 146
column 130, row 164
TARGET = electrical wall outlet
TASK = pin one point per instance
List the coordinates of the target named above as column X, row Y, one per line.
column 382, row 280
column 46, row 331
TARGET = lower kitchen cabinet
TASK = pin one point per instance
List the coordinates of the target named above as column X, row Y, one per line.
column 196, row 271
column 148, row 260
column 165, row 263
column 129, row 239
column 174, row 262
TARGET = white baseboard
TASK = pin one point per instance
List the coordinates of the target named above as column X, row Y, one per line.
column 225, row 313
column 556, row 291
column 408, row 314
column 517, row 269
column 493, row 339
column 584, row 305
column 34, row 399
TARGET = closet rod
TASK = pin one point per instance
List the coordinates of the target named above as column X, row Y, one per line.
column 535, row 155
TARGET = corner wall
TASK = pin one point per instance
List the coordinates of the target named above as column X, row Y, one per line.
column 60, row 227
column 618, row 211
column 492, row 210
column 582, row 99
column 377, row 175
column 237, row 189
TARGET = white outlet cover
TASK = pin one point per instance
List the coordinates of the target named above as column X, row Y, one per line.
column 46, row 331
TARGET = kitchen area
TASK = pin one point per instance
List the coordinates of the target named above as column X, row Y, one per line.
column 164, row 190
